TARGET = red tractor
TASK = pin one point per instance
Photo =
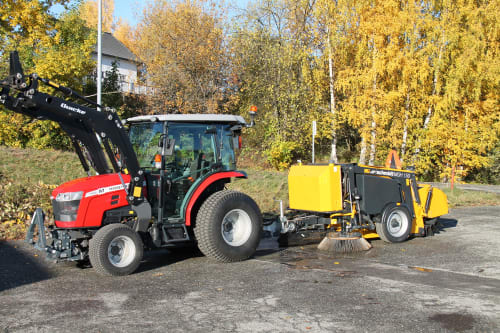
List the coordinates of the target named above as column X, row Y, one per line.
column 159, row 182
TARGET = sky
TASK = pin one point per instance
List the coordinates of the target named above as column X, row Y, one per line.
column 130, row 10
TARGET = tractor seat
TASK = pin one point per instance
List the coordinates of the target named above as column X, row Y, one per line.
column 196, row 165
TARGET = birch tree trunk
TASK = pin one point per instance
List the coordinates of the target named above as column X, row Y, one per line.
column 362, row 153
column 405, row 128
column 333, row 154
column 373, row 145
column 373, row 131
column 434, row 92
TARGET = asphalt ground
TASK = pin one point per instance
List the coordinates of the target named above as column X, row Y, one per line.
column 448, row 282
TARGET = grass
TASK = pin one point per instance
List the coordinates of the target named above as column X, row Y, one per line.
column 467, row 198
column 27, row 177
column 30, row 166
column 266, row 187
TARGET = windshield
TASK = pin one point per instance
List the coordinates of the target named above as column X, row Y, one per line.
column 196, row 145
column 144, row 138
column 191, row 140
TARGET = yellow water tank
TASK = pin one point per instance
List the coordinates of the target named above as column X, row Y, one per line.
column 315, row 188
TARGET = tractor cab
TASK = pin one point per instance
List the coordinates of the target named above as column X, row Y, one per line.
column 178, row 152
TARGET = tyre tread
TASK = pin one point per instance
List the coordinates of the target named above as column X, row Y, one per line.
column 97, row 257
column 206, row 243
column 380, row 227
column 381, row 232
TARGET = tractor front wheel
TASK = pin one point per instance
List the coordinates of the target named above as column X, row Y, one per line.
column 116, row 250
column 395, row 225
column 228, row 226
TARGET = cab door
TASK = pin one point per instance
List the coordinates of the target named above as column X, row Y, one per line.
column 194, row 156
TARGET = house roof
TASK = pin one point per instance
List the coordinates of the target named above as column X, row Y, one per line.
column 114, row 48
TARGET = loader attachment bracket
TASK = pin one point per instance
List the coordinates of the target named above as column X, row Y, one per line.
column 37, row 221
column 62, row 245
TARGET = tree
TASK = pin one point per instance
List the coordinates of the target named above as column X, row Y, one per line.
column 111, row 90
column 24, row 25
column 462, row 124
column 111, row 87
column 418, row 76
column 125, row 34
column 274, row 68
column 336, row 26
column 182, row 47
column 55, row 49
column 89, row 12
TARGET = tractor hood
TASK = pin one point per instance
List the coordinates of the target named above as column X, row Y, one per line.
column 82, row 202
column 93, row 185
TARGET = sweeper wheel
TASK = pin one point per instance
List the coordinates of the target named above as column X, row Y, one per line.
column 395, row 225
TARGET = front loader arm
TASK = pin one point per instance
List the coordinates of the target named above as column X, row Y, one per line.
column 94, row 151
column 83, row 124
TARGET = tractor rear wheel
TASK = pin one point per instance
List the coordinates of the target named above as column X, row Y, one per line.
column 395, row 225
column 228, row 226
column 116, row 250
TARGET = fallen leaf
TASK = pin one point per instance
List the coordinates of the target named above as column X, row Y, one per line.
column 336, row 263
column 422, row 269
column 158, row 274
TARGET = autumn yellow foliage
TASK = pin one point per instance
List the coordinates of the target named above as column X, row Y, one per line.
column 419, row 76
column 56, row 49
column 182, row 47
column 89, row 13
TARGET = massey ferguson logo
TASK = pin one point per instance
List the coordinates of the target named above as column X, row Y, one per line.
column 107, row 189
column 71, row 108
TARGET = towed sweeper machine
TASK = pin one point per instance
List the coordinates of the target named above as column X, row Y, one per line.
column 356, row 202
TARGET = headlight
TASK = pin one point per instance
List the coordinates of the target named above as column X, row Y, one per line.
column 69, row 196
column 66, row 205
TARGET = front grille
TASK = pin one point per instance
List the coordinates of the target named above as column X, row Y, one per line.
column 65, row 211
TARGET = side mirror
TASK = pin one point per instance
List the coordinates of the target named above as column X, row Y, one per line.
column 236, row 142
column 211, row 130
column 169, row 149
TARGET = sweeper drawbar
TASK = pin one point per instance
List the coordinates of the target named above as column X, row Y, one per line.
column 356, row 202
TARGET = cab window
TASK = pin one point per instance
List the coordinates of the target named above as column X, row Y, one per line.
column 194, row 147
column 227, row 149
column 145, row 138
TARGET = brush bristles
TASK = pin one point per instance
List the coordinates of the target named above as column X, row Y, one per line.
column 339, row 244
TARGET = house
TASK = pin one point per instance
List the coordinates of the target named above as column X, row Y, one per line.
column 114, row 50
